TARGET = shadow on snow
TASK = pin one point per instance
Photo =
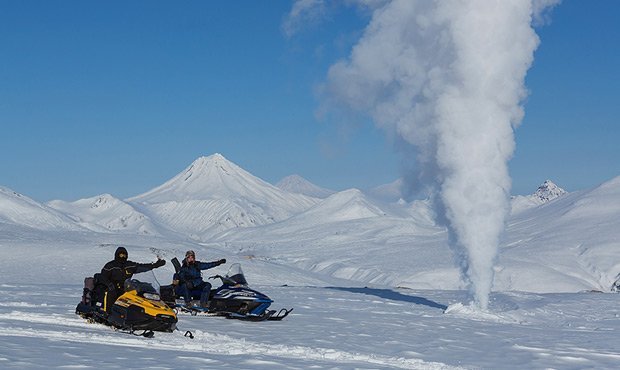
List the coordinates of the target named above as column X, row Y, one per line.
column 392, row 295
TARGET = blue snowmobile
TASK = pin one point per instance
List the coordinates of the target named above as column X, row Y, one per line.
column 233, row 299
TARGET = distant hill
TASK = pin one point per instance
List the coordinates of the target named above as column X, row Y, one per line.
column 391, row 192
column 299, row 185
column 108, row 214
column 16, row 208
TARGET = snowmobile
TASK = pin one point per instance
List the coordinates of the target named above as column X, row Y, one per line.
column 233, row 299
column 139, row 308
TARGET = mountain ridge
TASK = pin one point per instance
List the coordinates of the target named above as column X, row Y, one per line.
column 569, row 242
column 21, row 210
column 106, row 213
column 213, row 194
column 297, row 184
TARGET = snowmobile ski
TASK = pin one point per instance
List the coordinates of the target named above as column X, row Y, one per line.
column 266, row 316
column 279, row 316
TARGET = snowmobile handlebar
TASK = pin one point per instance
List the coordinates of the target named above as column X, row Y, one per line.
column 225, row 280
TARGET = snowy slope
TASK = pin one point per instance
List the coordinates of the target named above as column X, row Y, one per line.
column 350, row 204
column 564, row 245
column 298, row 185
column 213, row 195
column 601, row 202
column 18, row 209
column 572, row 242
column 335, row 323
column 351, row 236
column 106, row 213
column 391, row 192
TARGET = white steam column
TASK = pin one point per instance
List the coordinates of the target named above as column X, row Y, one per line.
column 447, row 78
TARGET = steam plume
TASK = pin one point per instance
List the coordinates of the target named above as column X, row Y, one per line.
column 447, row 77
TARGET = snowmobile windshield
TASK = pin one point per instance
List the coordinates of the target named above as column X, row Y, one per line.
column 235, row 276
column 143, row 289
column 148, row 277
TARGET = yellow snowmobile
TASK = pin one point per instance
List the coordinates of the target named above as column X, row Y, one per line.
column 139, row 308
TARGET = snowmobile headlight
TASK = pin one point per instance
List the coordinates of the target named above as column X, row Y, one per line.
column 151, row 296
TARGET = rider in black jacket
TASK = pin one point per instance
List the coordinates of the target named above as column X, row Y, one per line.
column 115, row 272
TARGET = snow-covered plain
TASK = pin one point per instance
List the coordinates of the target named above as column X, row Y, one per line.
column 331, row 327
column 373, row 284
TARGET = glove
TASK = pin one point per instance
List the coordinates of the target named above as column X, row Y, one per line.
column 222, row 261
column 159, row 263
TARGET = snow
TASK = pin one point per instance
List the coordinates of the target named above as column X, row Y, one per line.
column 213, row 195
column 391, row 192
column 106, row 213
column 331, row 327
column 299, row 185
column 373, row 284
column 18, row 209
column 546, row 192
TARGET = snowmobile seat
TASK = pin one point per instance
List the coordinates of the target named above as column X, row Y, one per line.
column 166, row 292
column 92, row 296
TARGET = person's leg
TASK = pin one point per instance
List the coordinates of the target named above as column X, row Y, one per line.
column 109, row 299
column 183, row 291
column 204, row 297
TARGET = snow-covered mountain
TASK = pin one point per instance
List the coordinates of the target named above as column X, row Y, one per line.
column 108, row 214
column 351, row 265
column 568, row 244
column 213, row 195
column 18, row 209
column 391, row 192
column 564, row 244
column 349, row 235
column 334, row 212
column 350, row 204
column 298, row 185
column 546, row 192
column 566, row 241
column 602, row 202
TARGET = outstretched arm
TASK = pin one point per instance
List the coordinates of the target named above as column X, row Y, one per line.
column 210, row 265
column 143, row 267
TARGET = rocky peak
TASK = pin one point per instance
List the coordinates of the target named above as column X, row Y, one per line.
column 548, row 191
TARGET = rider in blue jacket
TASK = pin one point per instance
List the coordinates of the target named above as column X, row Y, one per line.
column 190, row 279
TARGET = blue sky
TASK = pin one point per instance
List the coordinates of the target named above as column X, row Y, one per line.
column 117, row 97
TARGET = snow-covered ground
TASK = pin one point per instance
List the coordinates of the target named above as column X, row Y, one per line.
column 373, row 283
column 341, row 327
